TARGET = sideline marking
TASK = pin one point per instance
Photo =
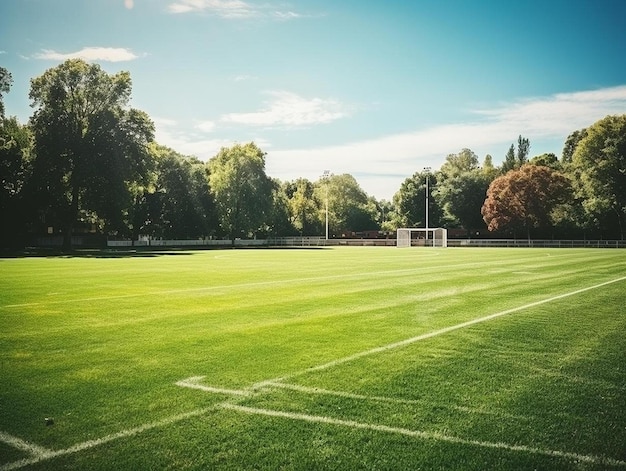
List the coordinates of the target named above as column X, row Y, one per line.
column 428, row 335
column 422, row 434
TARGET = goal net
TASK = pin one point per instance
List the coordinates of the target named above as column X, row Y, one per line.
column 420, row 236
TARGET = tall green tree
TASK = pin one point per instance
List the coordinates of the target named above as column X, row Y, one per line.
column 409, row 203
column 462, row 198
column 547, row 160
column 458, row 164
column 461, row 189
column 278, row 221
column 178, row 204
column 91, row 147
column 241, row 189
column 348, row 207
column 599, row 168
column 6, row 80
column 570, row 145
column 488, row 169
column 15, row 160
column 303, row 206
column 15, row 171
column 515, row 159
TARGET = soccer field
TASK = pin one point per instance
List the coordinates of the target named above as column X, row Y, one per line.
column 329, row 358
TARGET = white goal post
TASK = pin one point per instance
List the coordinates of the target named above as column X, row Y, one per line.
column 420, row 236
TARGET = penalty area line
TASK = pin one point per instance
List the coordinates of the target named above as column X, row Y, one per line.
column 419, row 434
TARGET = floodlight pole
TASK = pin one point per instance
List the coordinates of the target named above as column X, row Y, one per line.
column 325, row 178
column 427, row 170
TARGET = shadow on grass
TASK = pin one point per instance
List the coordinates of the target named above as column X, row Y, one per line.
column 131, row 252
column 91, row 253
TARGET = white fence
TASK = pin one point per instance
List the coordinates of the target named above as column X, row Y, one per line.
column 321, row 242
column 547, row 243
column 185, row 243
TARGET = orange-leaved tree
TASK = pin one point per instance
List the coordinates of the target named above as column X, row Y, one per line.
column 524, row 198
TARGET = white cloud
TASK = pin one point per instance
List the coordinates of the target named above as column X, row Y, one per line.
column 559, row 114
column 223, row 8
column 286, row 15
column 290, row 110
column 381, row 164
column 168, row 133
column 91, row 54
column 243, row 78
column 206, row 126
column 129, row 4
column 231, row 9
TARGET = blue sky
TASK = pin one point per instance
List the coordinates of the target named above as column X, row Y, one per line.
column 378, row 89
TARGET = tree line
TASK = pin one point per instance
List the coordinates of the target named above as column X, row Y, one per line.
column 88, row 162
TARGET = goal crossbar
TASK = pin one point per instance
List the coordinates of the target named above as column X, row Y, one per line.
column 421, row 236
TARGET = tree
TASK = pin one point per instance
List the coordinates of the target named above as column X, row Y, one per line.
column 347, row 203
column 278, row 221
column 461, row 188
column 458, row 164
column 5, row 85
column 570, row 145
column 547, row 160
column 409, row 203
column 241, row 189
column 462, row 198
column 15, row 160
column 15, row 169
column 509, row 160
column 524, row 198
column 303, row 207
column 514, row 160
column 384, row 214
column 599, row 168
column 90, row 147
column 178, row 203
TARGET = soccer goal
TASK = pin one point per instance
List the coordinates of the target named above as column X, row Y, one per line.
column 420, row 236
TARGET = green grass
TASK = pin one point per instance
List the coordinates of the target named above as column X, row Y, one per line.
column 98, row 343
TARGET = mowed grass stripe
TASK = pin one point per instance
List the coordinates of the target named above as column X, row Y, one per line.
column 422, row 435
column 445, row 330
column 111, row 365
column 141, row 280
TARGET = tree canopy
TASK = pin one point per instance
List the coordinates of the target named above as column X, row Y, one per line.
column 90, row 147
column 241, row 189
column 599, row 166
column 524, row 198
column 87, row 162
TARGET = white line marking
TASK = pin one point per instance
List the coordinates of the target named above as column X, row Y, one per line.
column 45, row 455
column 23, row 445
column 394, row 400
column 193, row 383
column 445, row 330
column 423, row 435
column 347, row 395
